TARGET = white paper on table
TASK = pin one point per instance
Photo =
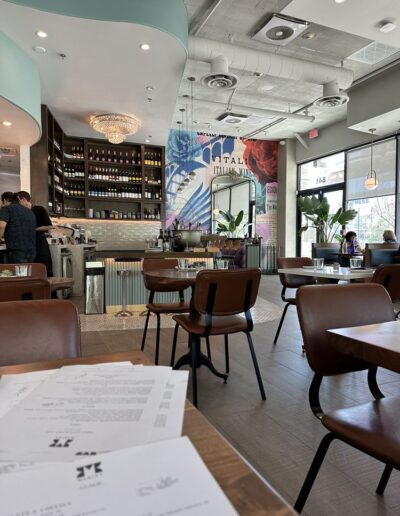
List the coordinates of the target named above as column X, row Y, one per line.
column 83, row 410
column 158, row 479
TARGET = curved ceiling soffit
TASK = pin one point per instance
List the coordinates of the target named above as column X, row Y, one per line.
column 169, row 17
column 17, row 70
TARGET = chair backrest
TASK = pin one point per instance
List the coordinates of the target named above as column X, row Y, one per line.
column 290, row 280
column 38, row 270
column 157, row 264
column 389, row 277
column 38, row 331
column 226, row 292
column 327, row 251
column 323, row 307
column 23, row 289
column 377, row 254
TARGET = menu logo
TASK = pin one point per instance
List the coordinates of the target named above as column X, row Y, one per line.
column 89, row 471
column 60, row 443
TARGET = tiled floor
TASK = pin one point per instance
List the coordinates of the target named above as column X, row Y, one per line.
column 279, row 436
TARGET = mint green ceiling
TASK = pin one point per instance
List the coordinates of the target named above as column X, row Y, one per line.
column 17, row 70
column 169, row 16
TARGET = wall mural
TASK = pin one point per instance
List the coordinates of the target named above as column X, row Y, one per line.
column 194, row 159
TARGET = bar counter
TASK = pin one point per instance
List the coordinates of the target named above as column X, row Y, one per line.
column 142, row 253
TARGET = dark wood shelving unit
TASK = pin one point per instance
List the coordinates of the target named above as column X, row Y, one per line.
column 53, row 156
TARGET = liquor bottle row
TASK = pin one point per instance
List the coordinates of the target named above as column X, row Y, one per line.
column 115, row 174
column 152, row 158
column 120, row 215
column 132, row 192
column 152, row 180
column 74, row 211
column 76, row 152
column 74, row 171
column 152, row 193
column 111, row 156
column 74, row 190
column 151, row 214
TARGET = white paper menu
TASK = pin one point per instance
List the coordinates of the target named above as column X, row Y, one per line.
column 159, row 479
column 85, row 410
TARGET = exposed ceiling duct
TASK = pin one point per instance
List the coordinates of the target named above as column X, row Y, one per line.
column 256, row 61
column 331, row 96
column 219, row 77
column 246, row 110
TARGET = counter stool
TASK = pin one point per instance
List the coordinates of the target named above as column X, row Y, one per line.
column 124, row 274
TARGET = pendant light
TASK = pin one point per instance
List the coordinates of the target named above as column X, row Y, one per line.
column 371, row 182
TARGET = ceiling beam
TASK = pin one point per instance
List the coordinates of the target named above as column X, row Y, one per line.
column 198, row 23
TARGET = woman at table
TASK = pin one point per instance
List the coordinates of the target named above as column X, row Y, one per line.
column 349, row 246
column 43, row 225
column 389, row 237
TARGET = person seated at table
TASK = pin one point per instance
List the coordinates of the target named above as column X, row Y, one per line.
column 349, row 246
column 389, row 237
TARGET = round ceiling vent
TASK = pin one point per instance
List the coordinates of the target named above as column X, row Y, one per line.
column 279, row 33
column 220, row 81
column 332, row 101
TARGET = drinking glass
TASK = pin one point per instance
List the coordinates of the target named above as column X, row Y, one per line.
column 222, row 264
column 183, row 263
column 23, row 270
column 318, row 264
column 355, row 263
column 336, row 267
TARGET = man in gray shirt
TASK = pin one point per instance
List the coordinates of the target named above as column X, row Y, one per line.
column 18, row 225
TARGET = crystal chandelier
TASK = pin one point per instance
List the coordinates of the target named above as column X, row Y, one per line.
column 115, row 127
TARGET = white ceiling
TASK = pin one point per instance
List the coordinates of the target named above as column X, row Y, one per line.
column 337, row 36
column 104, row 71
column 24, row 129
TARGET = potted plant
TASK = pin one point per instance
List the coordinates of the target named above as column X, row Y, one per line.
column 232, row 225
column 328, row 226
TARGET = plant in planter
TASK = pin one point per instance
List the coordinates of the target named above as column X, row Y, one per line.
column 232, row 225
column 328, row 225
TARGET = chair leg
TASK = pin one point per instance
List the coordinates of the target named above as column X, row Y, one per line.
column 253, row 356
column 373, row 384
column 226, row 354
column 195, row 344
column 174, row 344
column 146, row 324
column 384, row 479
column 313, row 396
column 208, row 347
column 158, row 338
column 313, row 471
column 280, row 323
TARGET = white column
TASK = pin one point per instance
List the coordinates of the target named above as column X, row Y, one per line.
column 25, row 167
column 287, row 184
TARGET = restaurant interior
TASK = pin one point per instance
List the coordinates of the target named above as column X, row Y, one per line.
column 191, row 183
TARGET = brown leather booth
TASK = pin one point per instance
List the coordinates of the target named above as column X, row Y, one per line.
column 378, row 254
column 38, row 331
column 327, row 250
column 24, row 289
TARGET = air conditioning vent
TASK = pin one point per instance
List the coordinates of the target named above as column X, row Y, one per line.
column 332, row 101
column 373, row 53
column 232, row 118
column 280, row 30
column 219, row 81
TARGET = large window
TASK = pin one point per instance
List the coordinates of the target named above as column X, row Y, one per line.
column 376, row 208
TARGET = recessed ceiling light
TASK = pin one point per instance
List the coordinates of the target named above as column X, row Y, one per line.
column 308, row 35
column 196, row 121
column 41, row 34
column 144, row 46
column 147, row 140
column 39, row 50
column 149, row 88
column 387, row 26
column 7, row 123
column 339, row 1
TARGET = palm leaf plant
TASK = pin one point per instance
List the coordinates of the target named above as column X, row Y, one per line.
column 328, row 225
column 232, row 225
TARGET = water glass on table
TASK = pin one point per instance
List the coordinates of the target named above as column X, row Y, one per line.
column 356, row 262
column 23, row 270
column 222, row 264
column 318, row 264
column 183, row 263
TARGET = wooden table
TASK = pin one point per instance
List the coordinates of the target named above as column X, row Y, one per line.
column 249, row 493
column 183, row 279
column 377, row 344
column 59, row 283
column 328, row 273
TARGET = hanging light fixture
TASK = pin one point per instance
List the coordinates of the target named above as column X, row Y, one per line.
column 371, row 182
column 115, row 127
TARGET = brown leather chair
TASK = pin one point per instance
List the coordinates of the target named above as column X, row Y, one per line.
column 38, row 270
column 389, row 277
column 291, row 281
column 38, row 331
column 371, row 427
column 23, row 289
column 218, row 299
column 154, row 286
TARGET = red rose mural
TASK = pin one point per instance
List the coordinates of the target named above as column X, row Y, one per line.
column 260, row 157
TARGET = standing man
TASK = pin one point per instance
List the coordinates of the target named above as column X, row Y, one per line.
column 6, row 198
column 18, row 225
column 43, row 225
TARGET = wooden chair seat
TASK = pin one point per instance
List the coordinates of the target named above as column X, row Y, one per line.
column 196, row 324
column 372, row 427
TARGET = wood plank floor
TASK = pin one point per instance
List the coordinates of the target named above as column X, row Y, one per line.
column 280, row 436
